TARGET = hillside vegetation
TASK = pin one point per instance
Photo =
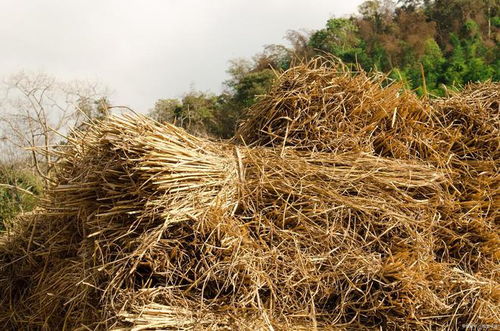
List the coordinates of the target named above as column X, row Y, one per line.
column 432, row 46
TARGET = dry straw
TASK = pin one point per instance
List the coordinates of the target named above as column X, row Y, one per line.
column 356, row 206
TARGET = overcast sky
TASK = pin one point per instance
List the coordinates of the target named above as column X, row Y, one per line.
column 150, row 49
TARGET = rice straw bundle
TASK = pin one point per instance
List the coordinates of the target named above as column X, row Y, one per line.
column 322, row 105
column 329, row 223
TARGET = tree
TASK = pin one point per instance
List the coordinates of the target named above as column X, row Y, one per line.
column 276, row 57
column 300, row 49
column 94, row 108
column 166, row 110
column 37, row 109
column 196, row 112
column 450, row 16
column 253, row 84
column 379, row 12
column 426, row 73
column 468, row 58
column 410, row 5
column 247, row 82
column 340, row 38
column 475, row 51
column 457, row 66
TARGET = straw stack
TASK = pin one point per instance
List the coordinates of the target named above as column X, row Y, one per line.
column 323, row 106
column 321, row 223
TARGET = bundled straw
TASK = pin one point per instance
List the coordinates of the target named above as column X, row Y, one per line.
column 321, row 105
column 469, row 122
column 325, row 225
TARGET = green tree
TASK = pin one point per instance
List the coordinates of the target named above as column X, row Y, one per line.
column 432, row 63
column 468, row 59
column 429, row 68
column 196, row 112
column 339, row 38
column 475, row 50
column 250, row 86
column 456, row 68
column 248, row 80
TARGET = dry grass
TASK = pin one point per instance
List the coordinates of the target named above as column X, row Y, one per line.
column 323, row 106
column 356, row 206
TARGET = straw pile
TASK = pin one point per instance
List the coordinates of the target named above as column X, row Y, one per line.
column 322, row 106
column 321, row 223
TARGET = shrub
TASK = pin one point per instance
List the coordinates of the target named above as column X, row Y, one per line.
column 15, row 184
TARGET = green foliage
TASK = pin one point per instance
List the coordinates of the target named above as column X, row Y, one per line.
column 478, row 70
column 495, row 21
column 251, row 85
column 339, row 38
column 432, row 63
column 456, row 67
column 404, row 40
column 196, row 112
column 13, row 199
column 428, row 68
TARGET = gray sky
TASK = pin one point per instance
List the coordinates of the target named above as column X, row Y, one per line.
column 150, row 49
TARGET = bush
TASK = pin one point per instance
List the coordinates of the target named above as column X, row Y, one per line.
column 15, row 183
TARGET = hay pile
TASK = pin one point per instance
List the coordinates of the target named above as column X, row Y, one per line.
column 357, row 205
column 322, row 106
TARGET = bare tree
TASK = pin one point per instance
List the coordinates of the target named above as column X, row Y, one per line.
column 36, row 110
